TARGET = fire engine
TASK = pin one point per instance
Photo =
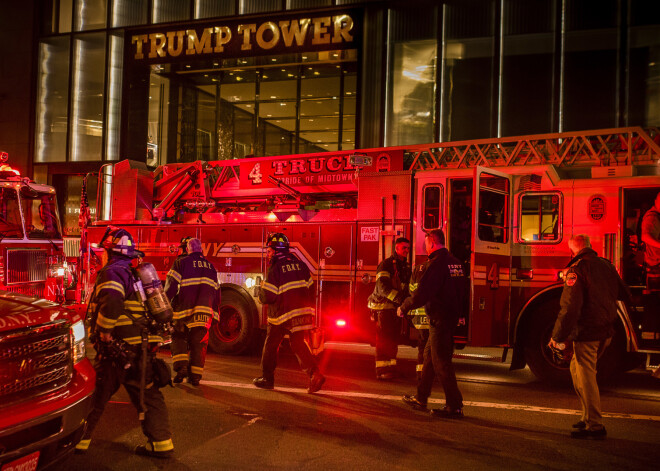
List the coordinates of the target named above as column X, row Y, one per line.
column 507, row 205
column 32, row 260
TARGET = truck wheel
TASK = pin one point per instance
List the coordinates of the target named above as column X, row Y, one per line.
column 233, row 333
column 537, row 353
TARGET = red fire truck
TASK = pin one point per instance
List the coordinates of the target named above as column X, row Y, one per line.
column 508, row 207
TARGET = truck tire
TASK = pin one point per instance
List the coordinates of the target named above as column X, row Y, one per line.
column 234, row 333
column 538, row 355
column 543, row 364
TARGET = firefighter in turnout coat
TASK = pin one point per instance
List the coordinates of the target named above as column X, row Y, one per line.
column 117, row 321
column 419, row 319
column 287, row 290
column 392, row 277
column 192, row 287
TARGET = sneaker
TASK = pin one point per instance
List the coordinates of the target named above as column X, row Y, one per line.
column 413, row 402
column 594, row 434
column 263, row 383
column 448, row 413
column 580, row 425
column 148, row 450
column 315, row 382
column 180, row 376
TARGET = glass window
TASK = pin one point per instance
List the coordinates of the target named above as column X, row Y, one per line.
column 66, row 14
column 493, row 208
column 87, row 105
column 213, row 8
column 468, row 54
column 258, row 6
column 432, row 213
column 40, row 214
column 90, row 14
column 539, row 217
column 11, row 226
column 113, row 108
column 527, row 67
column 643, row 73
column 298, row 4
column 129, row 12
column 52, row 100
column 165, row 11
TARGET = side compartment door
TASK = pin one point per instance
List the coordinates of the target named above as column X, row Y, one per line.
column 491, row 257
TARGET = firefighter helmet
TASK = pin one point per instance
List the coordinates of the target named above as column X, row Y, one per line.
column 277, row 241
column 120, row 241
column 184, row 242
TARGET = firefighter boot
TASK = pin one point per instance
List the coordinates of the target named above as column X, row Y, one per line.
column 180, row 376
column 316, row 381
column 263, row 383
column 149, row 450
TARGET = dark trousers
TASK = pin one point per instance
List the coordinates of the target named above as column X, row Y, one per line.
column 388, row 327
column 422, row 340
column 438, row 361
column 109, row 377
column 274, row 336
column 188, row 348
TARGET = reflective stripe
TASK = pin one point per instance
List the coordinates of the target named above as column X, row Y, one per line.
column 302, row 327
column 165, row 445
column 392, row 295
column 138, row 340
column 113, row 285
column 291, row 314
column 180, row 357
column 83, row 444
column 393, row 362
column 196, row 370
column 381, row 364
column 383, row 274
column 419, row 367
column 200, row 281
column 270, row 287
column 174, row 275
column 379, row 306
column 295, row 284
column 105, row 323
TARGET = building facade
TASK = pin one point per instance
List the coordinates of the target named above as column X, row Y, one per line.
column 165, row 81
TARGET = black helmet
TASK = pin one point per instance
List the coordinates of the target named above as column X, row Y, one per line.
column 277, row 241
column 120, row 241
column 184, row 244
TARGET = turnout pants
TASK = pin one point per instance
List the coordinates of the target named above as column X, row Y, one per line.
column 189, row 345
column 388, row 326
column 109, row 377
column 274, row 336
column 583, row 373
column 438, row 362
column 421, row 346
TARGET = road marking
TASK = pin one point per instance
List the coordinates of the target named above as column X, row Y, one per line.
column 385, row 397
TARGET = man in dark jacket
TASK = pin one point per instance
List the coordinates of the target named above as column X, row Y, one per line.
column 586, row 318
column 651, row 239
column 419, row 319
column 392, row 277
column 287, row 290
column 442, row 292
column 192, row 287
column 117, row 320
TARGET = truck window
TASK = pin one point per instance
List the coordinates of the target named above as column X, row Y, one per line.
column 539, row 217
column 493, row 204
column 431, row 208
column 40, row 214
column 11, row 226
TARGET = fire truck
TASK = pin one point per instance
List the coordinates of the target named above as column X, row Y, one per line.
column 508, row 207
column 32, row 260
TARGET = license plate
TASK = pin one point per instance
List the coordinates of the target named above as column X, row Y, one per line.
column 25, row 463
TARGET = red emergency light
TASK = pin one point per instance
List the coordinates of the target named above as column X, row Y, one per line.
column 340, row 323
column 7, row 171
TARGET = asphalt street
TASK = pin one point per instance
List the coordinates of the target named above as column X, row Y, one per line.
column 512, row 421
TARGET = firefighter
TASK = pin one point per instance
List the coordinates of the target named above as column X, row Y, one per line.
column 287, row 290
column 419, row 319
column 192, row 287
column 392, row 277
column 588, row 310
column 117, row 320
column 442, row 292
column 651, row 239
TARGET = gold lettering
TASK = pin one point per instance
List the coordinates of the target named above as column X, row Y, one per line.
column 321, row 35
column 343, row 26
column 138, row 41
column 171, row 50
column 295, row 31
column 263, row 44
column 197, row 46
column 246, row 30
column 222, row 37
column 157, row 45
